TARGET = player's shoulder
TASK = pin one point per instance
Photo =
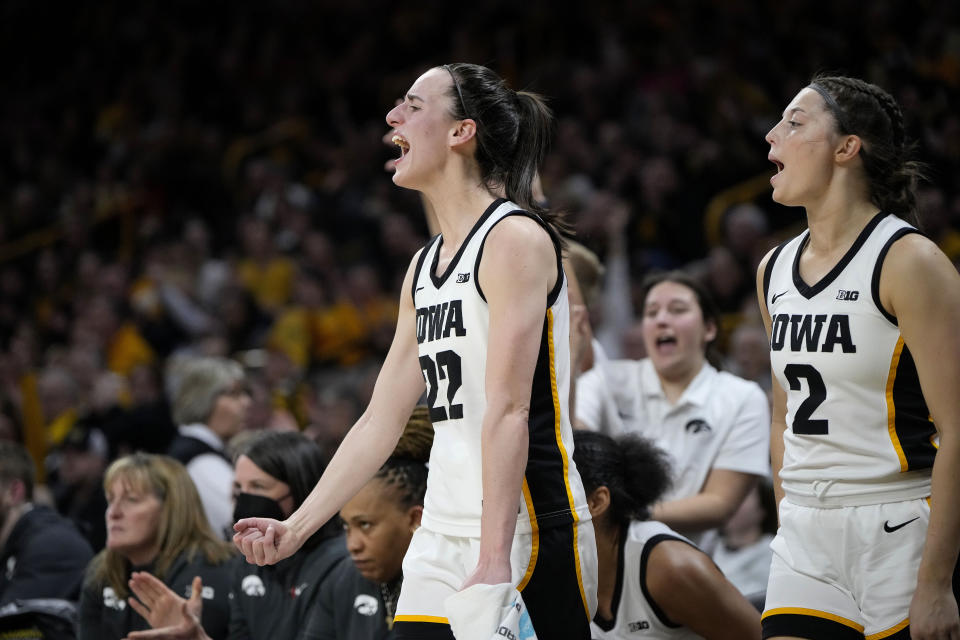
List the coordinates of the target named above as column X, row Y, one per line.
column 913, row 262
column 519, row 229
column 519, row 244
column 914, row 249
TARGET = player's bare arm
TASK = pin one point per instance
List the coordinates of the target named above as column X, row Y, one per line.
column 364, row 449
column 516, row 273
column 921, row 288
column 778, row 415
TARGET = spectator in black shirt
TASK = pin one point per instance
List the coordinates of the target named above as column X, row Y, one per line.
column 274, row 473
column 156, row 523
column 42, row 555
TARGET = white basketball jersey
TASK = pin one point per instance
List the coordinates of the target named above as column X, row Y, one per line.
column 859, row 431
column 452, row 333
column 635, row 613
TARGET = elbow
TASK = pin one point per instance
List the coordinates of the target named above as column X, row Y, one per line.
column 507, row 411
column 507, row 419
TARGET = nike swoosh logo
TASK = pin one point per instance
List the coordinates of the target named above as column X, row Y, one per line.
column 417, row 289
column 889, row 529
column 773, row 300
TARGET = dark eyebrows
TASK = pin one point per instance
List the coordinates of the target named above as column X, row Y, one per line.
column 794, row 110
column 413, row 96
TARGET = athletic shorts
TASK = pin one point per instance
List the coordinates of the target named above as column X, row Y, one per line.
column 554, row 569
column 845, row 572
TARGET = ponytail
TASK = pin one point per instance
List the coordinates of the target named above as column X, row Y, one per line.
column 514, row 130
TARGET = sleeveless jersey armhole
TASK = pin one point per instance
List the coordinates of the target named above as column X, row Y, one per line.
column 644, row 556
column 419, row 268
column 555, row 292
column 608, row 625
column 768, row 273
column 878, row 268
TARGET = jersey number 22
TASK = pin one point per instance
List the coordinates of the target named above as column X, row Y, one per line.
column 446, row 367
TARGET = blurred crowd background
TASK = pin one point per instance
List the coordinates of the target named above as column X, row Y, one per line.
column 185, row 178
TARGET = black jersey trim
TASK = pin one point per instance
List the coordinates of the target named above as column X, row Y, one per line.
column 899, row 631
column 418, row 630
column 809, row 291
column 644, row 556
column 956, row 580
column 912, row 431
column 547, row 459
column 419, row 268
column 875, row 280
column 608, row 625
column 800, row 625
column 439, row 280
column 553, row 593
column 768, row 272
column 557, row 286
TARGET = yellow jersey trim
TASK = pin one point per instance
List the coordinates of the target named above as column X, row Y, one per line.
column 891, row 409
column 563, row 453
column 431, row 619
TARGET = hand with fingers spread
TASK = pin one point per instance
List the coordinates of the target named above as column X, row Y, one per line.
column 156, row 602
column 181, row 618
column 265, row 540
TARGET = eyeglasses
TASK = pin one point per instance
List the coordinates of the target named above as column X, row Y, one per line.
column 456, row 83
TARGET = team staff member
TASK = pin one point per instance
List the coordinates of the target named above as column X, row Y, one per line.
column 712, row 424
column 484, row 321
column 862, row 314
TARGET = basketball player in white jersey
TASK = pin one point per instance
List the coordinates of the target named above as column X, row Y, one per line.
column 863, row 314
column 484, row 330
column 654, row 584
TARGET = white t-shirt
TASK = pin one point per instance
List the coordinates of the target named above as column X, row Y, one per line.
column 720, row 422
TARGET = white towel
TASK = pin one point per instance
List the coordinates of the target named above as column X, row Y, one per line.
column 489, row 612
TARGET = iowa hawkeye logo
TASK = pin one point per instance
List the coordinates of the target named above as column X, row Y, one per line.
column 440, row 321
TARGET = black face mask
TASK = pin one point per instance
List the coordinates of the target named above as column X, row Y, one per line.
column 249, row 505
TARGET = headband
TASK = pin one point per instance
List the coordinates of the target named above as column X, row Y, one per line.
column 832, row 105
column 456, row 83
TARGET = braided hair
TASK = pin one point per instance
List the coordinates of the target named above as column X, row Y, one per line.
column 406, row 468
column 632, row 468
column 865, row 110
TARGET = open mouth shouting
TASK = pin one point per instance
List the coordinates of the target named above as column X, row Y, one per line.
column 401, row 142
column 665, row 343
column 779, row 164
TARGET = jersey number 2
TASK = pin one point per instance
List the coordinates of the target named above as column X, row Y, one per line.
column 447, row 367
column 802, row 423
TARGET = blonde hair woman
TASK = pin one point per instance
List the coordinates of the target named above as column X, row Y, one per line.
column 156, row 523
